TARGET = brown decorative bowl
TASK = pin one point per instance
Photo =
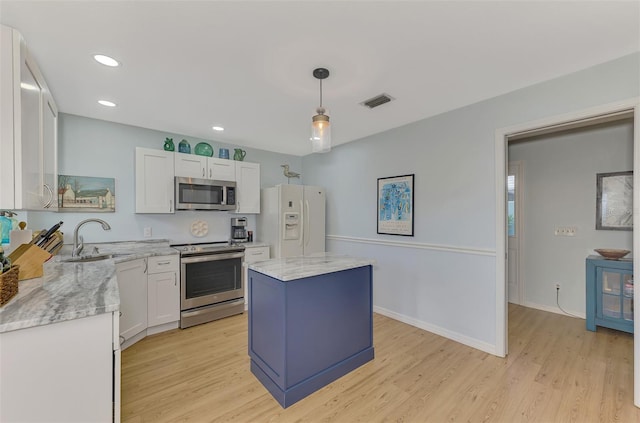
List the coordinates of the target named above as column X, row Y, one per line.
column 611, row 253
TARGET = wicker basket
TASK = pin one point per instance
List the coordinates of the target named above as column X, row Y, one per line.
column 9, row 284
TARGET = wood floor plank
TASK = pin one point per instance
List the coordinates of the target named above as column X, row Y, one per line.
column 556, row 371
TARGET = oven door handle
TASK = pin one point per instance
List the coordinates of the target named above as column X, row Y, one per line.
column 211, row 257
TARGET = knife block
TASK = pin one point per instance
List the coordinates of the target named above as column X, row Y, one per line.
column 30, row 258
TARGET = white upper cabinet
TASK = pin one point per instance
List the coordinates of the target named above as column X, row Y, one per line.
column 195, row 166
column 221, row 169
column 154, row 181
column 248, row 187
column 28, row 130
column 191, row 165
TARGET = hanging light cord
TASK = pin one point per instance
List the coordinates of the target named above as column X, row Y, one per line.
column 321, row 93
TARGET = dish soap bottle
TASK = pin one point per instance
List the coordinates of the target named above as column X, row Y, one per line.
column 6, row 224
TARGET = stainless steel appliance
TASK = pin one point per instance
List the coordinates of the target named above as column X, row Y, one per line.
column 239, row 229
column 211, row 282
column 204, row 194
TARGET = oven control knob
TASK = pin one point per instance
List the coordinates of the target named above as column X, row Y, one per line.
column 193, row 248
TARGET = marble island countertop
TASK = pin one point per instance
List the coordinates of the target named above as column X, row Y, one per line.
column 292, row 268
column 72, row 290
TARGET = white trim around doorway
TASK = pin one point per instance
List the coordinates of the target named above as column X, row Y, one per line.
column 584, row 117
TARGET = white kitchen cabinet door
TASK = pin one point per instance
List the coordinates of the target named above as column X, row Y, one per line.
column 252, row 255
column 221, row 169
column 154, row 181
column 50, row 150
column 132, row 284
column 190, row 165
column 163, row 290
column 62, row 372
column 28, row 130
column 163, row 298
column 247, row 187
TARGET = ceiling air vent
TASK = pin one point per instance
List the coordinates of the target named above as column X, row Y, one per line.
column 377, row 101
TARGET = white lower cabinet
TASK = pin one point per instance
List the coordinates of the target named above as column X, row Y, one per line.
column 149, row 297
column 62, row 372
column 132, row 283
column 252, row 255
column 163, row 290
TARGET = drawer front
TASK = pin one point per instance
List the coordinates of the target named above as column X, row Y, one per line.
column 161, row 264
column 251, row 255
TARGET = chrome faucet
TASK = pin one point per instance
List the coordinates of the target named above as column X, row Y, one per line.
column 77, row 247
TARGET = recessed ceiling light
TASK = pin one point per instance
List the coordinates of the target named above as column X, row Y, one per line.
column 106, row 60
column 107, row 103
column 218, row 128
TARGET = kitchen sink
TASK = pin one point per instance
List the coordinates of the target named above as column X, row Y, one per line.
column 93, row 257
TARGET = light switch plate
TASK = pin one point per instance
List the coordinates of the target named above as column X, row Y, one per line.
column 566, row 231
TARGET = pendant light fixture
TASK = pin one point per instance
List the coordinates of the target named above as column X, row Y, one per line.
column 320, row 126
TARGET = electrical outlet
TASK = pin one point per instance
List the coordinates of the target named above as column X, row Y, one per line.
column 147, row 232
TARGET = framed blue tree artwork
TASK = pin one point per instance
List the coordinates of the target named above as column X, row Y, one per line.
column 395, row 205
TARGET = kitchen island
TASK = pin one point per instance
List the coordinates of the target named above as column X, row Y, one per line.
column 310, row 322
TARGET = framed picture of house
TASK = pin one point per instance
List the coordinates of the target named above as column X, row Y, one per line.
column 395, row 205
column 86, row 194
column 614, row 201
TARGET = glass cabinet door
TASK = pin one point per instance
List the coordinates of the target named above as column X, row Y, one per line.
column 616, row 294
column 627, row 297
column 611, row 304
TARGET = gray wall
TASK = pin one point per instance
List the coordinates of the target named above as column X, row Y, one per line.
column 90, row 147
column 559, row 189
column 443, row 279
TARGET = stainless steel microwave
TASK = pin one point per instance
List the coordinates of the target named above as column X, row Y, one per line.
column 204, row 194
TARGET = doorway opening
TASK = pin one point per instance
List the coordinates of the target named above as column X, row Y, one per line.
column 606, row 113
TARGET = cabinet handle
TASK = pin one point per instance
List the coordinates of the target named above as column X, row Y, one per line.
column 203, row 172
column 146, row 266
column 48, row 204
column 162, row 263
column 256, row 254
column 170, row 206
column 175, row 280
column 210, row 174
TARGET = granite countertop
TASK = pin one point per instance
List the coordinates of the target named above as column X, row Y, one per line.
column 70, row 290
column 292, row 268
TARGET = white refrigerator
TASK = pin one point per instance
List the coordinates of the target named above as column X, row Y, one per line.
column 292, row 220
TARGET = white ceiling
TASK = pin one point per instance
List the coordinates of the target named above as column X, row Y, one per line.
column 247, row 66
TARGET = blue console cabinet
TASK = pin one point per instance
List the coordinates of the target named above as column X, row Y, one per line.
column 306, row 333
column 609, row 294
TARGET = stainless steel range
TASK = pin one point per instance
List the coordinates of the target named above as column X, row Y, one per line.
column 211, row 282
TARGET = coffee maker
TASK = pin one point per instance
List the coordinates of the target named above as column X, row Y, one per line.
column 239, row 229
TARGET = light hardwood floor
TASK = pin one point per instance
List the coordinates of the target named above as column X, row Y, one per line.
column 556, row 371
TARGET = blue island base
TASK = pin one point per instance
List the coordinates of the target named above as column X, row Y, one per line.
column 308, row 332
column 312, row 384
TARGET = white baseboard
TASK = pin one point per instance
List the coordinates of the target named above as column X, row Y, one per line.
column 454, row 336
column 163, row 328
column 543, row 307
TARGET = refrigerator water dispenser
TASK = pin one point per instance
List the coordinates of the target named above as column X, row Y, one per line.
column 291, row 226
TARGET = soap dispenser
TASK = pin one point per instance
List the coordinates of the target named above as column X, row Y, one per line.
column 6, row 224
